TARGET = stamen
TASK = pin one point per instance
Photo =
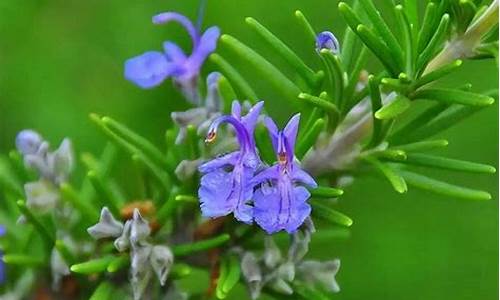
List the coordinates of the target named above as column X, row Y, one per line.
column 282, row 158
column 211, row 136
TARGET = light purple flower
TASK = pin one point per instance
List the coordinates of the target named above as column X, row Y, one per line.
column 3, row 231
column 280, row 202
column 153, row 67
column 226, row 186
column 327, row 40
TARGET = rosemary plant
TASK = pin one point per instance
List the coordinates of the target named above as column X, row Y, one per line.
column 230, row 193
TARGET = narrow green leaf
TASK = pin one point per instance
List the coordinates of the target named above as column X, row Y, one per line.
column 323, row 211
column 437, row 74
column 234, row 77
column 434, row 44
column 337, row 75
column 42, row 230
column 411, row 10
column 306, row 292
column 309, row 138
column 227, row 93
column 179, row 271
column 443, row 188
column 353, row 79
column 284, row 51
column 448, row 163
column 451, row 116
column 408, row 42
column 427, row 28
column 186, row 198
column 118, row 263
column 404, row 132
column 424, row 145
column 145, row 146
column 393, row 109
column 106, row 195
column 8, row 180
column 378, row 48
column 93, row 266
column 168, row 207
column 223, row 272
column 376, row 102
column 63, row 249
column 325, row 192
column 325, row 105
column 452, row 96
column 103, row 292
column 268, row 70
column 308, row 29
column 384, row 31
column 233, row 275
column 87, row 211
column 349, row 16
column 397, row 182
column 347, row 53
column 187, row 249
column 22, row 260
column 392, row 154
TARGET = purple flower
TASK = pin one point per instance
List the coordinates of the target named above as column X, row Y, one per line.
column 3, row 231
column 327, row 40
column 280, row 202
column 226, row 186
column 153, row 67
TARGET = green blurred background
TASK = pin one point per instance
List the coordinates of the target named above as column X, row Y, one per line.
column 62, row 59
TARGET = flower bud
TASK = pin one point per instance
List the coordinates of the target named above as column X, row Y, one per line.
column 326, row 40
column 28, row 141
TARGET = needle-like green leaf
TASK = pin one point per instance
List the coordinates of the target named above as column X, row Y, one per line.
column 427, row 26
column 448, row 163
column 268, row 70
column 321, row 103
column 397, row 182
column 423, row 145
column 378, row 48
column 383, row 30
column 106, row 196
column 227, row 93
column 393, row 109
column 437, row 74
column 228, row 277
column 103, row 292
column 326, row 192
column 309, row 138
column 308, row 29
column 284, row 51
column 376, row 102
column 66, row 253
column 118, row 263
column 39, row 226
column 86, row 210
column 145, row 146
column 434, row 44
column 452, row 96
column 187, row 249
column 234, row 77
column 324, row 212
column 93, row 266
column 443, row 188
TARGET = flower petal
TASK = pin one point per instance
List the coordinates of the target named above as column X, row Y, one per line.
column 219, row 162
column 273, row 132
column 207, row 45
column 148, row 69
column 301, row 176
column 173, row 52
column 251, row 118
column 166, row 17
column 290, row 132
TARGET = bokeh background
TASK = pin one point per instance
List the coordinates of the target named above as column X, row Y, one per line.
column 63, row 59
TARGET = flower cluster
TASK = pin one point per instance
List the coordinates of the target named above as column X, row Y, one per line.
column 232, row 181
column 132, row 236
column 53, row 169
column 153, row 67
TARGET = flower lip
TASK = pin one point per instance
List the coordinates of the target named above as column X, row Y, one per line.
column 211, row 136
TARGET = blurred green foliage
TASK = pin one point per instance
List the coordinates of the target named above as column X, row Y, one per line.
column 62, row 59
